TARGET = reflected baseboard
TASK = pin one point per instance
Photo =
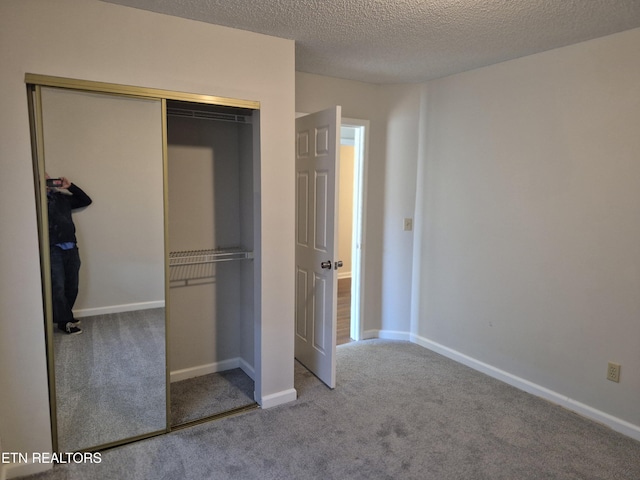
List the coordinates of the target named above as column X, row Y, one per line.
column 186, row 373
column 129, row 307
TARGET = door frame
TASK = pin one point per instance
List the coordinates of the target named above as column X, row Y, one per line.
column 361, row 149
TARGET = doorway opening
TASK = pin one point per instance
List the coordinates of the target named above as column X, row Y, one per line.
column 352, row 193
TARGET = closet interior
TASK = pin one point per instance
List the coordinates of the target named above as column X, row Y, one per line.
column 211, row 164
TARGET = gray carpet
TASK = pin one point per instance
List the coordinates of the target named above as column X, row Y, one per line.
column 110, row 380
column 399, row 412
column 207, row 395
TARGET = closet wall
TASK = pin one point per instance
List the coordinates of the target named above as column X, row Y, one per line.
column 210, row 202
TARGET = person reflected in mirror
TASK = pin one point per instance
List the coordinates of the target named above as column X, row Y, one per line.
column 63, row 197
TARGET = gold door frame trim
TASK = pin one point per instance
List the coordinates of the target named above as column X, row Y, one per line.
column 115, row 88
column 37, row 152
column 167, row 295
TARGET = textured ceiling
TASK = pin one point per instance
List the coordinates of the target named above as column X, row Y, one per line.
column 401, row 41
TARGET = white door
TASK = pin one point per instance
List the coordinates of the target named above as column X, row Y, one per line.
column 317, row 147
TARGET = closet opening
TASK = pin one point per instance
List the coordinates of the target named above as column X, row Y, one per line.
column 211, row 242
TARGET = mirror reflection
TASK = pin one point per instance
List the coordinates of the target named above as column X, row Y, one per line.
column 63, row 198
column 106, row 229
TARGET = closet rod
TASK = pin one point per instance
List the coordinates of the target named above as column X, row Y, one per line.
column 204, row 115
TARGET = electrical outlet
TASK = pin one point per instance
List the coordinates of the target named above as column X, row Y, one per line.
column 613, row 372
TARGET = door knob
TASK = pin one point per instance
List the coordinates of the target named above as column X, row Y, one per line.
column 338, row 264
column 326, row 265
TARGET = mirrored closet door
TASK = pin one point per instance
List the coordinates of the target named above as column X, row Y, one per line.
column 109, row 382
column 160, row 332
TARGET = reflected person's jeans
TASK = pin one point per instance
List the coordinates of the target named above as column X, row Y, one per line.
column 65, row 267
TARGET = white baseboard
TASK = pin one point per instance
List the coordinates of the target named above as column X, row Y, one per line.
column 279, row 398
column 394, row 335
column 617, row 424
column 248, row 369
column 129, row 307
column 369, row 334
column 386, row 334
column 267, row 401
column 200, row 370
column 342, row 275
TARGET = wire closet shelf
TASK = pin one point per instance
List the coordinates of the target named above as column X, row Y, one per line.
column 193, row 265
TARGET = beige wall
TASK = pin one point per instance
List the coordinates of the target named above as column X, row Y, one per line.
column 358, row 101
column 404, row 123
column 345, row 212
column 92, row 40
column 390, row 183
column 531, row 235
